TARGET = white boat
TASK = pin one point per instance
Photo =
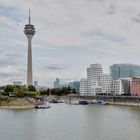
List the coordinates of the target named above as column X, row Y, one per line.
column 44, row 106
column 79, row 102
column 100, row 102
column 61, row 101
column 74, row 103
column 93, row 101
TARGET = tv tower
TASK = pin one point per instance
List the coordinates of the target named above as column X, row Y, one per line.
column 29, row 31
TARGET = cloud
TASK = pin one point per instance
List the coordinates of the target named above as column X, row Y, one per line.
column 10, row 12
column 112, row 9
column 10, row 67
column 4, row 75
column 7, row 59
column 55, row 67
column 137, row 18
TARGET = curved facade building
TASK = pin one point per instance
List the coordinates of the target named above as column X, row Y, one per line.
column 97, row 82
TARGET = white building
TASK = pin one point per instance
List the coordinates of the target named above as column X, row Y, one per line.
column 94, row 88
column 122, row 86
column 93, row 77
column 94, row 72
column 106, row 83
column 83, row 86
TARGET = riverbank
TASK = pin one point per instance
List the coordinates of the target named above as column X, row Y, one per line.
column 24, row 103
column 16, row 103
column 16, row 107
column 111, row 100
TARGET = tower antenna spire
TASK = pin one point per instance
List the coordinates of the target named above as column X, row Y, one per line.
column 29, row 17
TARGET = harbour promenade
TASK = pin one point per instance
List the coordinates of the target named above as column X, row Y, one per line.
column 113, row 100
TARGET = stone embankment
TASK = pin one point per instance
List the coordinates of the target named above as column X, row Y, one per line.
column 113, row 100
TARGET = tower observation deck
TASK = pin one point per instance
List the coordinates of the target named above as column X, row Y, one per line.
column 29, row 31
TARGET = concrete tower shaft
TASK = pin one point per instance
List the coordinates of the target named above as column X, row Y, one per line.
column 29, row 31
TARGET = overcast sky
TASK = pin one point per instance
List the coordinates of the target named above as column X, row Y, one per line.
column 70, row 35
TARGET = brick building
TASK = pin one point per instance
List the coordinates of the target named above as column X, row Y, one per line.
column 135, row 87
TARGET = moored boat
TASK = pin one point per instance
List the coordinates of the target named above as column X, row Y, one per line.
column 74, row 103
column 100, row 102
column 83, row 102
column 44, row 106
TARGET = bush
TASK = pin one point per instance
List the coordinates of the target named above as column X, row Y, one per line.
column 31, row 93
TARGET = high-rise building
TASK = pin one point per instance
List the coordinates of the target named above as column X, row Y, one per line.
column 94, row 72
column 75, row 85
column 29, row 31
column 93, row 78
column 36, row 84
column 124, row 71
column 56, row 83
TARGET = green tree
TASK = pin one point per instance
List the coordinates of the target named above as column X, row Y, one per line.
column 9, row 88
column 31, row 88
column 19, row 92
column 44, row 92
column 48, row 91
column 74, row 91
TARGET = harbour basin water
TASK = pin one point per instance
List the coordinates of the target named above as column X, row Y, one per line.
column 71, row 122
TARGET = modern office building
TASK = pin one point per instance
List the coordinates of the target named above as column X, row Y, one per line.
column 124, row 71
column 29, row 31
column 122, row 86
column 75, row 85
column 135, row 87
column 56, row 83
column 36, row 84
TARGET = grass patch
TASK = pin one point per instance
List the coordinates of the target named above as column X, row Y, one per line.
column 30, row 93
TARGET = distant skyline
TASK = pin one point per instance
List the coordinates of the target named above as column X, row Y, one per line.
column 71, row 35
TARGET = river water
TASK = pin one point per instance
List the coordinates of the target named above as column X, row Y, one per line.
column 71, row 122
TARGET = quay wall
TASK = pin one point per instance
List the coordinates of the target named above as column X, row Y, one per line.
column 114, row 100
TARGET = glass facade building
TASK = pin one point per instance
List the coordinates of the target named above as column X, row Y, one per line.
column 124, row 71
column 75, row 84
